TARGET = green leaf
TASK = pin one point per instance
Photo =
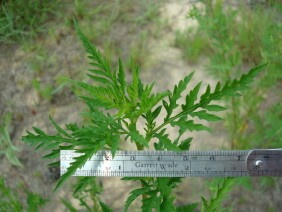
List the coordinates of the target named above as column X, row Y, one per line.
column 134, row 178
column 82, row 184
column 133, row 88
column 114, row 144
column 185, row 145
column 152, row 202
column 167, row 204
column 206, row 116
column 134, row 194
column 220, row 194
column 164, row 185
column 248, row 78
column 68, row 205
column 206, row 94
column 137, row 137
column 229, row 89
column 54, row 164
column 176, row 95
column 192, row 97
column 72, row 127
column 150, row 117
column 104, row 207
column 121, row 76
column 232, row 88
column 38, row 131
column 52, row 145
column 104, row 96
column 12, row 157
column 94, row 54
column 102, row 80
column 188, row 125
column 165, row 141
column 99, row 72
column 204, row 204
column 148, row 102
column 156, row 112
column 55, row 153
column 187, row 208
column 214, row 108
column 78, row 163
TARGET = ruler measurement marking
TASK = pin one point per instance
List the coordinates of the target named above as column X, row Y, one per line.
column 178, row 164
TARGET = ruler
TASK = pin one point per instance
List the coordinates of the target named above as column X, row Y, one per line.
column 212, row 163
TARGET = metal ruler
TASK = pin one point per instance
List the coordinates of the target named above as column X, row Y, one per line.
column 213, row 163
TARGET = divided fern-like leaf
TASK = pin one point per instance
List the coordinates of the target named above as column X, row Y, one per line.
column 104, row 207
column 121, row 76
column 133, row 88
column 202, row 114
column 103, row 96
column 137, row 137
column 134, row 194
column 214, row 108
column 215, row 201
column 153, row 202
column 176, row 95
column 192, row 97
column 165, row 143
column 94, row 54
column 58, row 128
column 78, row 163
column 185, row 144
column 184, row 125
column 230, row 88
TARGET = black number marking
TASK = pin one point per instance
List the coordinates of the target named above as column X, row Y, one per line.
column 255, row 167
column 266, row 157
column 132, row 157
column 185, row 158
column 212, row 157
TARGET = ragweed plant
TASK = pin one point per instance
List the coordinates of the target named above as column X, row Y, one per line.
column 115, row 106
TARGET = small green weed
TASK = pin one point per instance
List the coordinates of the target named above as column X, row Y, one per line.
column 6, row 146
column 45, row 92
column 232, row 37
column 115, row 106
column 10, row 200
column 118, row 26
column 48, row 91
column 24, row 18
